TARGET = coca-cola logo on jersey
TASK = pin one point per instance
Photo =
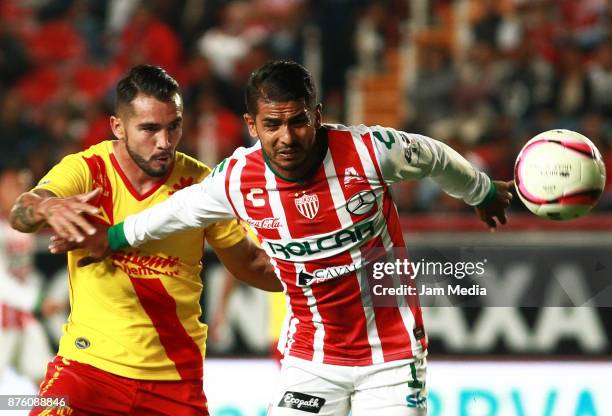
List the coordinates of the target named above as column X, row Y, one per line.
column 269, row 223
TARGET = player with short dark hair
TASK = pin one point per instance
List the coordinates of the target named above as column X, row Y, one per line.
column 317, row 195
column 133, row 343
column 275, row 82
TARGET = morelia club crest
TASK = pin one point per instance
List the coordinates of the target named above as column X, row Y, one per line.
column 307, row 205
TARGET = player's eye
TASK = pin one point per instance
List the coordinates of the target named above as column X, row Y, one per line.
column 271, row 126
column 300, row 121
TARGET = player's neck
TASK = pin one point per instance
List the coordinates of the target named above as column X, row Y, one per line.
column 139, row 179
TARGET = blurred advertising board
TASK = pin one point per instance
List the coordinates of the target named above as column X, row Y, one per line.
column 244, row 387
column 467, row 388
column 539, row 294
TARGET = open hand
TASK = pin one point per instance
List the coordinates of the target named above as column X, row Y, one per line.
column 497, row 207
column 96, row 244
column 65, row 215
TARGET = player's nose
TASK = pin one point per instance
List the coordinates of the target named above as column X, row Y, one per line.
column 164, row 139
column 286, row 136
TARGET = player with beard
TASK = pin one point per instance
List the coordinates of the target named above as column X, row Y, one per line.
column 317, row 195
column 133, row 343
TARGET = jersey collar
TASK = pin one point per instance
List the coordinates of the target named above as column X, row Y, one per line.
column 133, row 191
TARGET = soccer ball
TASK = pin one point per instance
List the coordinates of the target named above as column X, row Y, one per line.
column 559, row 174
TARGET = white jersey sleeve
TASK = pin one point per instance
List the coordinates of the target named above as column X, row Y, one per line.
column 406, row 156
column 196, row 206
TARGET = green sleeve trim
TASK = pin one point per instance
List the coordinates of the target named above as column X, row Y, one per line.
column 491, row 195
column 116, row 237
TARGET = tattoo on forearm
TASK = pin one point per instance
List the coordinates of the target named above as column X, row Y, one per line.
column 22, row 216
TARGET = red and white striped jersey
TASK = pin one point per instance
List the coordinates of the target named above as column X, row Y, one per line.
column 19, row 281
column 316, row 232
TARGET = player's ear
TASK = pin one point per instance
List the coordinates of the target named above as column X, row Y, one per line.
column 318, row 117
column 250, row 122
column 117, row 127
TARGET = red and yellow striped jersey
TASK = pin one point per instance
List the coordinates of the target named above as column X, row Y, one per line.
column 136, row 313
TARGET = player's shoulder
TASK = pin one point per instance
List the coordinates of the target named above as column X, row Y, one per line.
column 104, row 147
column 386, row 137
column 244, row 152
column 100, row 151
column 251, row 153
column 357, row 130
column 383, row 135
column 188, row 165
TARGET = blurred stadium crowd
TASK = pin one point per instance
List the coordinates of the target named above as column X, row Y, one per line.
column 521, row 67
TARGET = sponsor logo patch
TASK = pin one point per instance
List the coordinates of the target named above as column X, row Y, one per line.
column 301, row 401
column 415, row 401
column 81, row 343
column 343, row 239
column 253, row 196
column 351, row 176
column 323, row 275
column 419, row 332
column 270, row 223
column 361, row 203
column 411, row 150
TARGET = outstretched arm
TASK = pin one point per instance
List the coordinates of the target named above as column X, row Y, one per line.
column 250, row 264
column 196, row 206
column 244, row 260
column 407, row 156
column 189, row 208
